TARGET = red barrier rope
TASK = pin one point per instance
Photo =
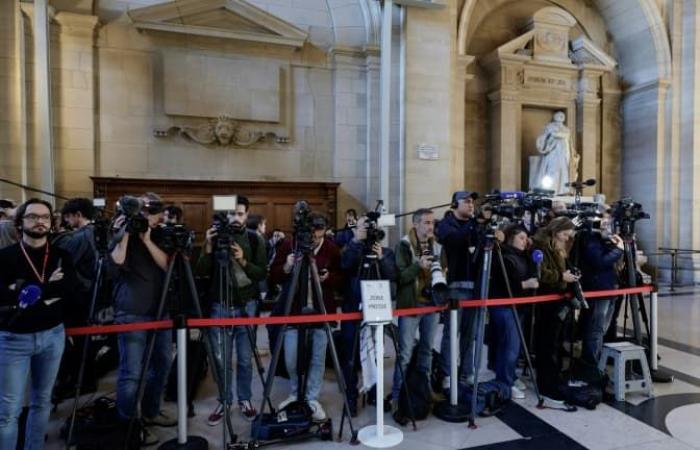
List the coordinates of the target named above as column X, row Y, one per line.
column 317, row 318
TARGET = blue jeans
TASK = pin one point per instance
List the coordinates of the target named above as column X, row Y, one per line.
column 426, row 325
column 22, row 353
column 466, row 328
column 317, row 366
column 505, row 342
column 132, row 351
column 237, row 336
column 596, row 321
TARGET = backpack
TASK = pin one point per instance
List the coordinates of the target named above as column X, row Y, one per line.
column 291, row 423
column 491, row 396
column 417, row 397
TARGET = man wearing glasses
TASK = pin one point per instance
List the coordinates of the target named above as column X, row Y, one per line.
column 36, row 279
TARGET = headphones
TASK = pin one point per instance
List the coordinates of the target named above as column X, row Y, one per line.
column 460, row 195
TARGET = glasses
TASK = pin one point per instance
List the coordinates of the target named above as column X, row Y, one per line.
column 36, row 217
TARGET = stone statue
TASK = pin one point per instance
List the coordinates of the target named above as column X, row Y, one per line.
column 554, row 144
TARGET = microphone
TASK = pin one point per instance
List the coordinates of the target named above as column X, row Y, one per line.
column 581, row 184
column 537, row 258
column 28, row 296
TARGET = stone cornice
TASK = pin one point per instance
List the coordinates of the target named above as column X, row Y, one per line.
column 202, row 18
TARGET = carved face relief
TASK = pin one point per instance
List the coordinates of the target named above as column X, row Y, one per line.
column 224, row 131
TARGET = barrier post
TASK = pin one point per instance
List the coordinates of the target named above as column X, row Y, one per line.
column 654, row 344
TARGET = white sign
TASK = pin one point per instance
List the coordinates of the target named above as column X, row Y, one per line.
column 376, row 301
column 427, row 151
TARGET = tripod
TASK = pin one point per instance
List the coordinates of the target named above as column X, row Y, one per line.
column 484, row 285
column 222, row 257
column 96, row 289
column 636, row 305
column 304, row 269
column 178, row 262
column 369, row 270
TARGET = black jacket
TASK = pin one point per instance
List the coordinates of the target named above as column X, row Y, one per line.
column 597, row 260
column 460, row 240
column 519, row 267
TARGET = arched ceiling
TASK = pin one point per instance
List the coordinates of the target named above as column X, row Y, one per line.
column 634, row 27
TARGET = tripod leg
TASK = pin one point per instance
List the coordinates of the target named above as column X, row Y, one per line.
column 256, row 358
column 86, row 345
column 404, row 387
column 353, row 359
column 318, row 297
column 540, row 400
column 149, row 354
column 280, row 339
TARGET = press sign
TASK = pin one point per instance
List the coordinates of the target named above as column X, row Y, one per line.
column 376, row 301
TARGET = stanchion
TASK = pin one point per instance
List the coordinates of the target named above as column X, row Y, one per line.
column 452, row 411
column 653, row 340
column 380, row 435
column 183, row 441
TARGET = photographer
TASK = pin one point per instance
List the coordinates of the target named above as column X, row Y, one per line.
column 36, row 282
column 460, row 236
column 327, row 258
column 351, row 258
column 521, row 277
column 346, row 234
column 137, row 265
column 599, row 252
column 247, row 267
column 80, row 245
column 554, row 241
column 415, row 254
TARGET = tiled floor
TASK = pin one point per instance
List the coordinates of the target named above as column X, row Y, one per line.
column 669, row 421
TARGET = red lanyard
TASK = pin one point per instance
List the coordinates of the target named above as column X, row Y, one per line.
column 31, row 264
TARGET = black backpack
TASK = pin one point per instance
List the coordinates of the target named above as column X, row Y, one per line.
column 491, row 396
column 418, row 396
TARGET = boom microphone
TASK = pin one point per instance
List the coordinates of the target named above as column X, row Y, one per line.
column 581, row 184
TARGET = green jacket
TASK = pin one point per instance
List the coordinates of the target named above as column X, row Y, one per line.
column 552, row 267
column 408, row 283
column 255, row 269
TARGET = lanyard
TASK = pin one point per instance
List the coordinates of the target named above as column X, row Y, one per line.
column 31, row 264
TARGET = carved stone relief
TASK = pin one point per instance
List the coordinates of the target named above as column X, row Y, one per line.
column 222, row 132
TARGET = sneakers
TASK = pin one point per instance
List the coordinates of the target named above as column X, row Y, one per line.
column 286, row 401
column 247, row 409
column 216, row 416
column 520, row 384
column 162, row 419
column 317, row 412
column 148, row 438
column 516, row 393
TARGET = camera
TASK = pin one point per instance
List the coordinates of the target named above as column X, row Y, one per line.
column 374, row 233
column 224, row 232
column 304, row 224
column 173, row 237
column 625, row 214
column 438, row 283
column 131, row 208
column 100, row 225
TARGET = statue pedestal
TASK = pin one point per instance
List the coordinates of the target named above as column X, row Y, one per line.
column 533, row 168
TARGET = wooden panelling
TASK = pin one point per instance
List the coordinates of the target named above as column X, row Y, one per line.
column 274, row 200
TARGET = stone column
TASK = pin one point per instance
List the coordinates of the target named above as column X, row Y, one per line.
column 74, row 103
column 588, row 117
column 430, row 53
column 506, row 121
column 610, row 156
column 43, row 99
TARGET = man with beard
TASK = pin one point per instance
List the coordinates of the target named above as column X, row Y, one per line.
column 35, row 281
column 247, row 266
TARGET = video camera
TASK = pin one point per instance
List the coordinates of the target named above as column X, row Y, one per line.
column 374, row 233
column 132, row 209
column 305, row 222
column 625, row 214
column 222, row 204
column 171, row 237
column 101, row 226
column 514, row 204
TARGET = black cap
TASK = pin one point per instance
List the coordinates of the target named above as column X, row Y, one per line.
column 461, row 195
